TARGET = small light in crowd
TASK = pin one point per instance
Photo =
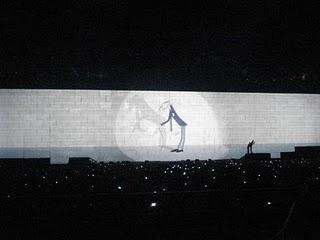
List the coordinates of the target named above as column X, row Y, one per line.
column 119, row 187
column 205, row 185
column 185, row 184
column 146, row 178
column 269, row 203
column 244, row 182
column 212, row 170
column 184, row 173
column 153, row 204
column 154, row 191
column 56, row 182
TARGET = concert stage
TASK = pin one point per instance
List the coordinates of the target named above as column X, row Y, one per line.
column 62, row 155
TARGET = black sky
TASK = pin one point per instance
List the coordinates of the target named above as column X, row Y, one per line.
column 264, row 46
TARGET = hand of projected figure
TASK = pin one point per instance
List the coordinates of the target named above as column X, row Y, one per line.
column 169, row 119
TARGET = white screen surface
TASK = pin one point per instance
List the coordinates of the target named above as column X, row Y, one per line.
column 126, row 125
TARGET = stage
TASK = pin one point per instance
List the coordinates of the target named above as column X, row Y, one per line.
column 62, row 155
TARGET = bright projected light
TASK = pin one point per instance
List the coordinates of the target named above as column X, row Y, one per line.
column 139, row 118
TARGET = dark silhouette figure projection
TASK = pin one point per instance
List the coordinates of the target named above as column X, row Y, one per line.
column 173, row 114
column 249, row 146
column 144, row 112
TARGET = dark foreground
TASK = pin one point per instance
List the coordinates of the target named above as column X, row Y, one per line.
column 178, row 200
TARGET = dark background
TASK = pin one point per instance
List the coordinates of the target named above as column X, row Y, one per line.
column 264, row 46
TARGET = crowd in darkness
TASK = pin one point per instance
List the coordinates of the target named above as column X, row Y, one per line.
column 156, row 177
column 200, row 199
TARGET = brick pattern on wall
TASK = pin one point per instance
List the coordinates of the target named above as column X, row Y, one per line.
column 86, row 118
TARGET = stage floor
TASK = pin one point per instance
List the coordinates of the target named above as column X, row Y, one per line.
column 61, row 155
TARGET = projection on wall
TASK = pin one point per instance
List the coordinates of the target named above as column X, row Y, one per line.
column 153, row 125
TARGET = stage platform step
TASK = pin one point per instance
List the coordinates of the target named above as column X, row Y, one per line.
column 256, row 156
column 80, row 161
column 20, row 162
column 288, row 155
column 307, row 151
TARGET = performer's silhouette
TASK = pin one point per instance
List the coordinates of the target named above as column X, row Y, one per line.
column 173, row 114
column 249, row 146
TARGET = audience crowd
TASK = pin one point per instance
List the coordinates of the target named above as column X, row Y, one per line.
column 200, row 199
column 156, row 177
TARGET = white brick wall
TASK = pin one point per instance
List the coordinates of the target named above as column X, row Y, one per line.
column 87, row 118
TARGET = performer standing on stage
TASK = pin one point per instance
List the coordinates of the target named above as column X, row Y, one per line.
column 249, row 147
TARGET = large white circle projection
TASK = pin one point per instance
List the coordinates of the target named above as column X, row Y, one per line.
column 140, row 135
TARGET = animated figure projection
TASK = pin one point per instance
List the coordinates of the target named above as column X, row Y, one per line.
column 173, row 114
column 156, row 126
